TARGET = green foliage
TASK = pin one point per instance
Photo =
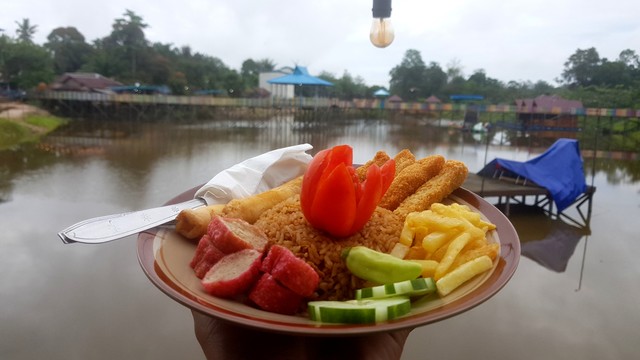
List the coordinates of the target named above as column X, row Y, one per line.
column 126, row 55
column 12, row 134
column 24, row 63
column 45, row 123
column 18, row 131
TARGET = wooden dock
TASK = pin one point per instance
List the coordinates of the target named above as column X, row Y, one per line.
column 508, row 192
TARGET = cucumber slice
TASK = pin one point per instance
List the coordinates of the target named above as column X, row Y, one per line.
column 415, row 287
column 359, row 311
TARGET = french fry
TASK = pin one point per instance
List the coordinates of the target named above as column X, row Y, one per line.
column 490, row 250
column 400, row 250
column 433, row 241
column 462, row 274
column 454, row 248
column 434, row 221
column 439, row 253
column 457, row 210
column 416, row 252
column 428, row 267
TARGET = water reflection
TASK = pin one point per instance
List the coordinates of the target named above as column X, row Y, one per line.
column 62, row 301
column 548, row 242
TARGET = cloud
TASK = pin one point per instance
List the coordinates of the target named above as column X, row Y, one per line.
column 510, row 40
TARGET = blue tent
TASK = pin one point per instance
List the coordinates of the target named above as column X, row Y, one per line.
column 559, row 170
column 300, row 76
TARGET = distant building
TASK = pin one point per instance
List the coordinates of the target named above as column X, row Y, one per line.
column 394, row 99
column 547, row 112
column 433, row 100
column 283, row 91
column 85, row 82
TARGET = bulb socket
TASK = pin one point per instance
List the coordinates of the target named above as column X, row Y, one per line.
column 381, row 9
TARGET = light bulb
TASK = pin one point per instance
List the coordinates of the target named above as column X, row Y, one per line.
column 381, row 34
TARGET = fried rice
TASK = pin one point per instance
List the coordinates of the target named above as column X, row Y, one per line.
column 284, row 224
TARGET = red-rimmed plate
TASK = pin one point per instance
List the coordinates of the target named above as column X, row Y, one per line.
column 165, row 255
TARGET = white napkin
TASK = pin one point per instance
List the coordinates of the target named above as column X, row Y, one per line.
column 256, row 174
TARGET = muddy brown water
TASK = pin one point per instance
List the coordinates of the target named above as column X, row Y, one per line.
column 574, row 294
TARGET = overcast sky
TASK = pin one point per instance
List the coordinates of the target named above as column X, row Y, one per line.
column 519, row 40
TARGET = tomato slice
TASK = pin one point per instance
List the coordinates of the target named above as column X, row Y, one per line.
column 371, row 195
column 310, row 180
column 334, row 206
column 388, row 171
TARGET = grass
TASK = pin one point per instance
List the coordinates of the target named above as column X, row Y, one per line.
column 30, row 129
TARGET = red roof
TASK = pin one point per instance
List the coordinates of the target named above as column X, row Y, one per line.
column 547, row 102
column 433, row 99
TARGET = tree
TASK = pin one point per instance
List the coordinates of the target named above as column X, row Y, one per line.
column 408, row 78
column 435, row 80
column 127, row 36
column 69, row 49
column 251, row 69
column 24, row 64
column 25, row 31
column 581, row 67
column 347, row 87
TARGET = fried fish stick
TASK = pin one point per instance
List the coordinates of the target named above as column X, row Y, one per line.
column 410, row 179
column 451, row 177
column 380, row 158
column 403, row 159
column 249, row 209
column 193, row 223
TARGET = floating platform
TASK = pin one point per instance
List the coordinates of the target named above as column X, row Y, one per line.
column 508, row 192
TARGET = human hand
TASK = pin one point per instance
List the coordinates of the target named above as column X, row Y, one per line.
column 220, row 339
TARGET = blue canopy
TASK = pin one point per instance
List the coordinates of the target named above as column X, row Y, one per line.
column 559, row 170
column 466, row 97
column 381, row 93
column 300, row 76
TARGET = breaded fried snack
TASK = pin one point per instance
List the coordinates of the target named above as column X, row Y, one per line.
column 192, row 223
column 451, row 177
column 379, row 159
column 403, row 159
column 410, row 179
column 249, row 209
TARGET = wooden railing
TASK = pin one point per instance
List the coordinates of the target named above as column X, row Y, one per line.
column 315, row 102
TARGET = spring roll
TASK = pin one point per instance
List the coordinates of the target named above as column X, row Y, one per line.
column 193, row 223
column 249, row 209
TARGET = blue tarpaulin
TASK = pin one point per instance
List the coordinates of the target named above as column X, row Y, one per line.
column 559, row 170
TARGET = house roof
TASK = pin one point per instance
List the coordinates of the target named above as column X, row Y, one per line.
column 83, row 82
column 300, row 76
column 432, row 99
column 547, row 102
column 394, row 98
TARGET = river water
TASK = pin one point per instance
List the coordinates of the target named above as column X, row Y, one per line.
column 574, row 295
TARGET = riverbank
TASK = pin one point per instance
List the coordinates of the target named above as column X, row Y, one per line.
column 21, row 123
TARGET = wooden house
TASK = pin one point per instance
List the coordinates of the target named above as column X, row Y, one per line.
column 83, row 82
column 548, row 113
